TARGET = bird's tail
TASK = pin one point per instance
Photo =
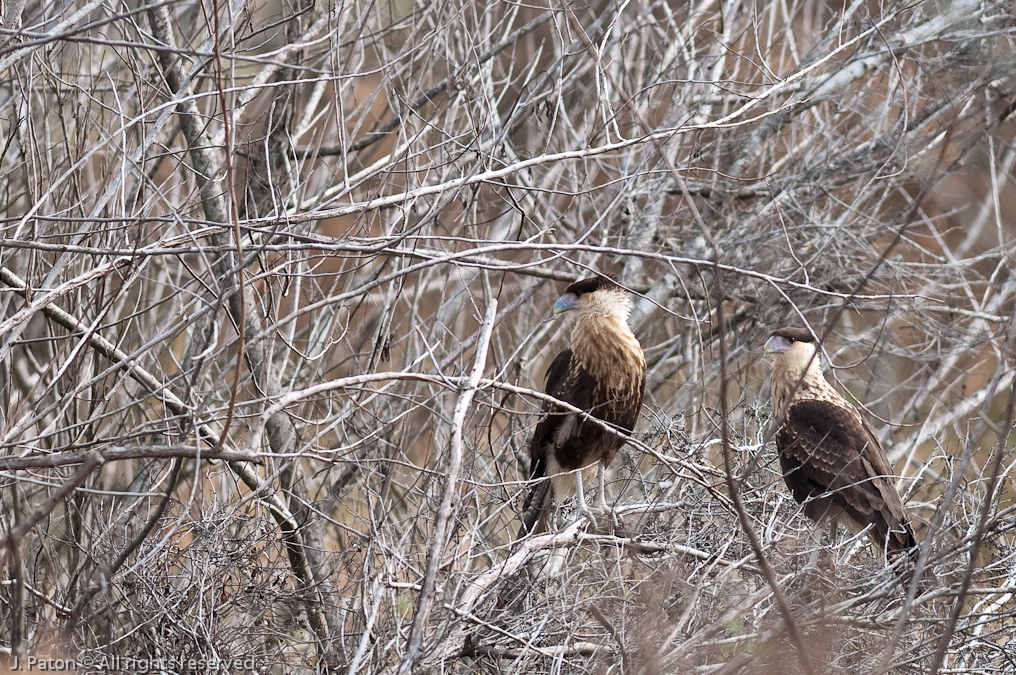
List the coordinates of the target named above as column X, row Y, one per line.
column 892, row 526
column 901, row 543
column 900, row 540
column 538, row 506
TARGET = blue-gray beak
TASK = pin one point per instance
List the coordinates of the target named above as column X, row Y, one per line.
column 566, row 302
column 776, row 345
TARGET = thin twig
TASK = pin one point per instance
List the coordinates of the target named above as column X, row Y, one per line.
column 436, row 546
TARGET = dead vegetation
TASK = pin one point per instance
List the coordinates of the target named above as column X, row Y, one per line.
column 277, row 288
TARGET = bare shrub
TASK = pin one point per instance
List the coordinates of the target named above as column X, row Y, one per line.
column 278, row 288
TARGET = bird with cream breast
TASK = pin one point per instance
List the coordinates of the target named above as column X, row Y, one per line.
column 603, row 373
column 831, row 458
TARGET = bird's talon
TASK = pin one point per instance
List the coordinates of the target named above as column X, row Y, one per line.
column 589, row 517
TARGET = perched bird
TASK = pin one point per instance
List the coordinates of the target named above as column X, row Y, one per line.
column 831, row 458
column 604, row 374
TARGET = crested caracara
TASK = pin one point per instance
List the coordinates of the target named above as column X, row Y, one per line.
column 830, row 456
column 604, row 374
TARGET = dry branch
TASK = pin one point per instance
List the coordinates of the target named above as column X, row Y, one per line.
column 326, row 240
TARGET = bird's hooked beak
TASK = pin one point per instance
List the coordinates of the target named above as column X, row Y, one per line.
column 777, row 345
column 566, row 302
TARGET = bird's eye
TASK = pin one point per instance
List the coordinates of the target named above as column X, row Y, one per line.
column 791, row 340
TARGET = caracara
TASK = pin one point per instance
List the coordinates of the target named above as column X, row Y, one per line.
column 830, row 456
column 604, row 374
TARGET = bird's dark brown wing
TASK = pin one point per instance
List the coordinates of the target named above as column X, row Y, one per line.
column 537, row 507
column 568, row 382
column 832, row 462
column 574, row 440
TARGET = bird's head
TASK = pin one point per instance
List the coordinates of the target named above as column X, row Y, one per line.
column 599, row 295
column 793, row 350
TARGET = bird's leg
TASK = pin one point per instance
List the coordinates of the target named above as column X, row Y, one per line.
column 601, row 497
column 601, row 494
column 580, row 497
column 831, row 550
column 822, row 561
column 815, row 538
